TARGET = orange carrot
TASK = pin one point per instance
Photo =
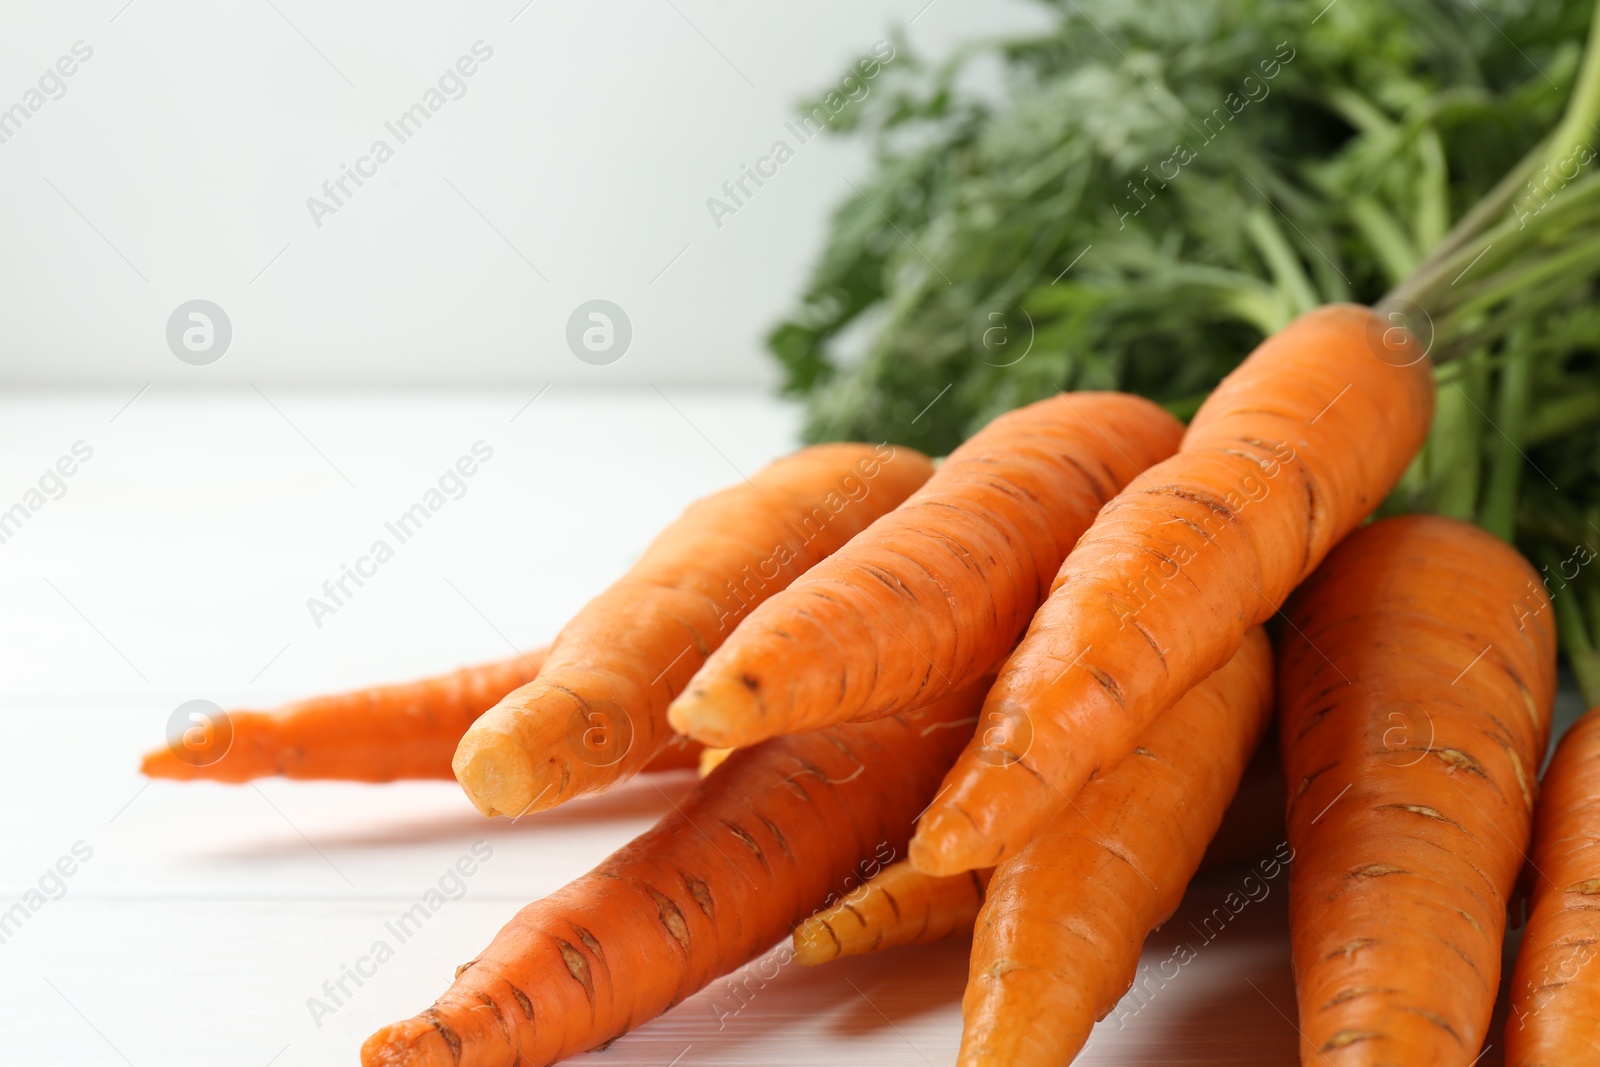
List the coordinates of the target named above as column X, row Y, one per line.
column 903, row 906
column 900, row 906
column 712, row 758
column 382, row 734
column 1555, row 989
column 1417, row 675
column 1288, row 455
column 934, row 594
column 1057, row 942
column 597, row 713
column 755, row 848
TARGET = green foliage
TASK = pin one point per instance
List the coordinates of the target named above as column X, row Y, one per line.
column 1038, row 196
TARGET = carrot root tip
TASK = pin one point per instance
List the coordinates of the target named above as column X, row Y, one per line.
column 941, row 848
column 413, row 1043
column 721, row 718
column 498, row 774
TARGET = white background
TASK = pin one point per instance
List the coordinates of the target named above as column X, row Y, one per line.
column 178, row 164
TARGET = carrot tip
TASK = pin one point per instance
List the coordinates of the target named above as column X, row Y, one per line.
column 413, row 1043
column 712, row 758
column 498, row 775
column 717, row 715
column 159, row 763
column 944, row 846
column 164, row 762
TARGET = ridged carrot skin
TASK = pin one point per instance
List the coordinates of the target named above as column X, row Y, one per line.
column 597, row 713
column 1416, row 679
column 381, row 734
column 1294, row 448
column 900, row 906
column 1555, row 989
column 761, row 843
column 931, row 596
column 903, row 906
column 1057, row 942
column 385, row 733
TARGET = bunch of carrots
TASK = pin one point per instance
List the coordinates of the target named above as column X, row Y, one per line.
column 1040, row 671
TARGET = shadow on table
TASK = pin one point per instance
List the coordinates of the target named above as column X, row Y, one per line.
column 644, row 797
column 895, row 988
column 1231, row 1004
column 907, row 998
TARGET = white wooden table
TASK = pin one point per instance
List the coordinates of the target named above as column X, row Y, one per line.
column 177, row 565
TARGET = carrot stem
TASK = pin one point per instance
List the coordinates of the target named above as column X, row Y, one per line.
column 1431, row 220
column 1560, row 415
column 1454, row 444
column 1575, row 261
column 1388, row 239
column 1583, row 110
column 1479, row 237
column 1281, row 261
column 1572, row 630
column 1436, row 287
column 1498, row 514
column 1482, row 214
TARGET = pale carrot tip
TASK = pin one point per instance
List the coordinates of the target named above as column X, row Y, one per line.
column 158, row 763
column 717, row 716
column 165, row 763
column 712, row 758
column 498, row 775
column 939, row 848
column 407, row 1044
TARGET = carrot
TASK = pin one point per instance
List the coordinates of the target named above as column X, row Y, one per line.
column 597, row 713
column 1555, row 988
column 755, row 848
column 934, row 594
column 1288, row 455
column 900, row 906
column 712, row 758
column 1057, row 942
column 383, row 734
column 903, row 906
column 1416, row 679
